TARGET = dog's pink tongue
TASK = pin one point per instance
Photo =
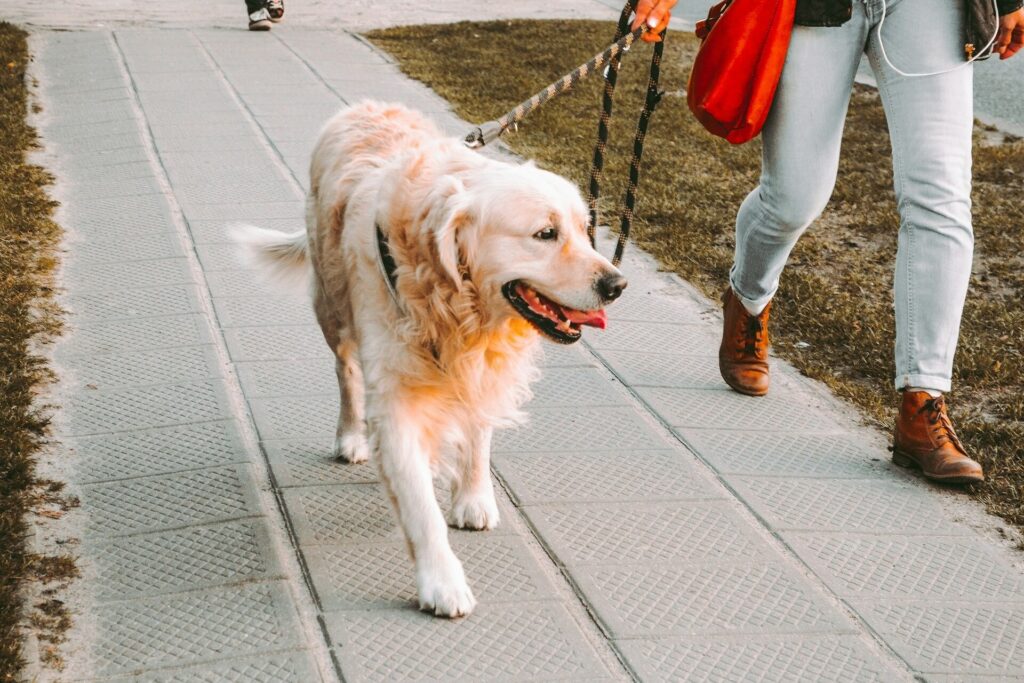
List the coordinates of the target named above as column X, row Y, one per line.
column 596, row 318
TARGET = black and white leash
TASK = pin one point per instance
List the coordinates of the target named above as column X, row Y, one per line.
column 610, row 56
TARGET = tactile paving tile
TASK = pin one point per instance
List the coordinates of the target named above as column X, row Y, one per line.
column 89, row 253
column 300, row 417
column 166, row 366
column 260, row 179
column 325, row 515
column 219, row 232
column 845, row 505
column 289, row 378
column 645, row 532
column 569, row 387
column 576, row 476
column 635, row 600
column 229, row 256
column 276, row 343
column 527, row 642
column 776, row 659
column 630, row 336
column 123, row 125
column 908, row 566
column 965, row 638
column 111, row 218
column 498, row 568
column 258, row 310
column 556, row 429
column 193, row 627
column 311, row 462
column 134, row 335
column 98, row 145
column 177, row 561
column 284, row 668
column 157, row 451
column 119, row 410
column 560, row 356
column 169, row 501
column 232, row 283
column 656, row 307
column 133, row 303
column 665, row 369
column 111, row 185
column 248, row 211
column 361, row 513
column 791, row 455
column 336, row 50
column 725, row 409
column 87, row 276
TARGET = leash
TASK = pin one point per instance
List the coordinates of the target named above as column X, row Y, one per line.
column 611, row 55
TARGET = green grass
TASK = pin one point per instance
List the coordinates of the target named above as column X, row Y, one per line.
column 835, row 298
column 28, row 317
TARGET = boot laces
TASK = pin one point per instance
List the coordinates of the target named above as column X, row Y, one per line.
column 750, row 336
column 942, row 426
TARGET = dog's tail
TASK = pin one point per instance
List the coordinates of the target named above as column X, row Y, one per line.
column 283, row 256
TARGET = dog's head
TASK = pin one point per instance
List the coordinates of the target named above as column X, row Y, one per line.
column 518, row 233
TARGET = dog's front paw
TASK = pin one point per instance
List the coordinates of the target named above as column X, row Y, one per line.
column 443, row 589
column 351, row 448
column 476, row 510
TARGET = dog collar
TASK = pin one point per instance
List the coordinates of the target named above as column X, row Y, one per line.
column 387, row 265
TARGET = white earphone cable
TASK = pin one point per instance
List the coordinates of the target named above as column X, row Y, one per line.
column 881, row 47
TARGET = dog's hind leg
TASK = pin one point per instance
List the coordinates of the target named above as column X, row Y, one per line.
column 405, row 454
column 350, row 438
column 473, row 503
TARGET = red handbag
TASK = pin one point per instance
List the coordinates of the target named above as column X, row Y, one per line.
column 738, row 65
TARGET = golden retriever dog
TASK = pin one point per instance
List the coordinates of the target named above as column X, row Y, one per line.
column 488, row 257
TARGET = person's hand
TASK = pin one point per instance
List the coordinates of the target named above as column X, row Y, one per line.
column 1011, row 34
column 655, row 13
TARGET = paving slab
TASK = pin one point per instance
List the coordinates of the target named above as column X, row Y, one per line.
column 655, row 525
column 785, row 659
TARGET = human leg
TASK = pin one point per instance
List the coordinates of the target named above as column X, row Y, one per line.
column 800, row 158
column 930, row 121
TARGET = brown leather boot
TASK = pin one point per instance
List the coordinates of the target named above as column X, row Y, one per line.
column 743, row 355
column 925, row 439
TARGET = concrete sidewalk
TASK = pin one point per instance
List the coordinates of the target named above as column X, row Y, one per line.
column 656, row 526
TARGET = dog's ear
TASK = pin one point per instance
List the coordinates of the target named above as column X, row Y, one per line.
column 449, row 212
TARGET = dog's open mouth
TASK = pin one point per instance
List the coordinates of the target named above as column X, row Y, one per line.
column 560, row 323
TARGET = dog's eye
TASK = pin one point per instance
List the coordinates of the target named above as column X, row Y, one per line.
column 546, row 234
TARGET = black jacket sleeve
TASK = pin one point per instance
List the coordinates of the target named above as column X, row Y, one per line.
column 1007, row 6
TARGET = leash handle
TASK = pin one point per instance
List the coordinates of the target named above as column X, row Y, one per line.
column 651, row 101
column 597, row 166
column 491, row 130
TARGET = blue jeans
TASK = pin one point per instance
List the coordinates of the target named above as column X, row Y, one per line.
column 930, row 122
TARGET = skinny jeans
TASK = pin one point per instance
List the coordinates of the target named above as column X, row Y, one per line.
column 930, row 122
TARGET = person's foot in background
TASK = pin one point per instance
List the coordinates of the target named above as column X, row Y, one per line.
column 276, row 10
column 260, row 17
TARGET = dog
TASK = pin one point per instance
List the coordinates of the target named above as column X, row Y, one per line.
column 435, row 271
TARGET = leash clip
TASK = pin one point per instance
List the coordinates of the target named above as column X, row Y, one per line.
column 485, row 134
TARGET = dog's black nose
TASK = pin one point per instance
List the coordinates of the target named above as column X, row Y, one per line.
column 610, row 286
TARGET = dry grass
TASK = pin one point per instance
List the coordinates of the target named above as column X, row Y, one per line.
column 28, row 317
column 836, row 293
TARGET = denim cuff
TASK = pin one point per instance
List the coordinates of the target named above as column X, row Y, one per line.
column 933, row 382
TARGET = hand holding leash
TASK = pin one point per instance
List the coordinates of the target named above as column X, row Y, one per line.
column 655, row 14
